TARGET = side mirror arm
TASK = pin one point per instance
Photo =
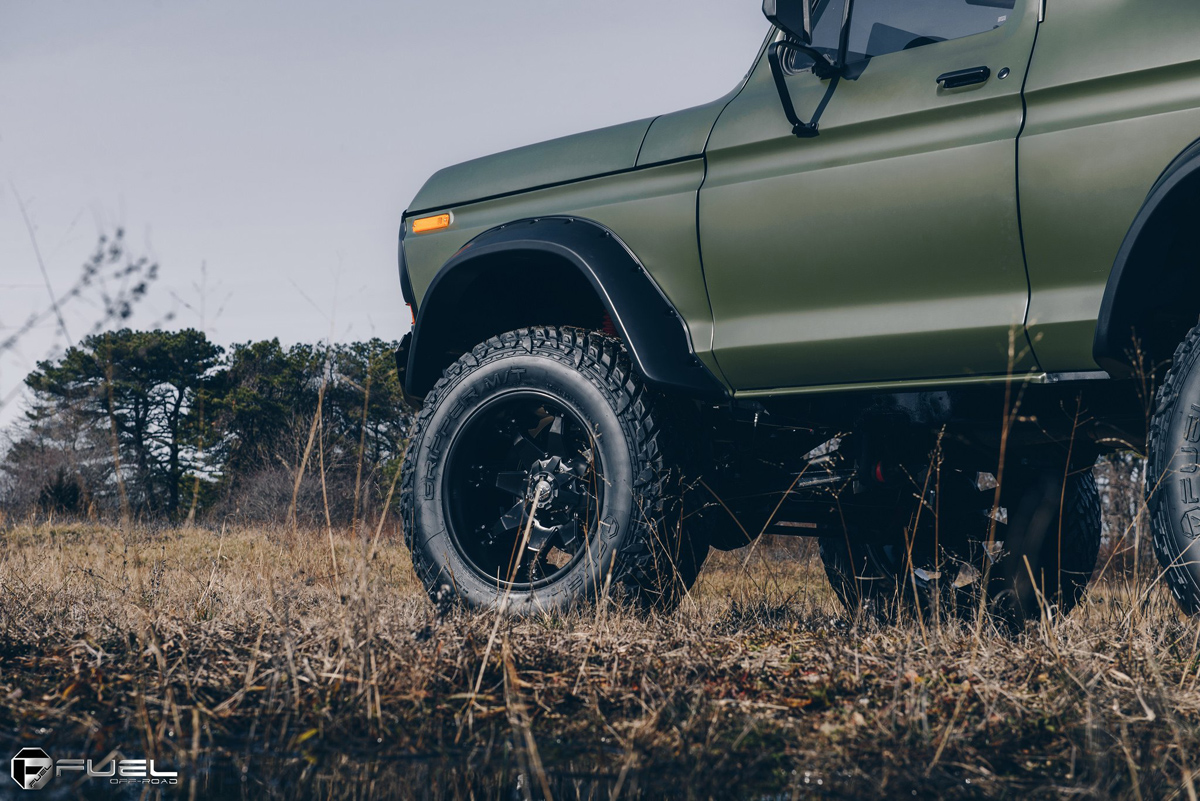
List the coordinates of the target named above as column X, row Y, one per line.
column 822, row 67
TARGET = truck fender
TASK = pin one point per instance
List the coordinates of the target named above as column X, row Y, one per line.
column 1133, row 280
column 654, row 333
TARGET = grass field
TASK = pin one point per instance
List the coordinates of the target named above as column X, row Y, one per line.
column 247, row 662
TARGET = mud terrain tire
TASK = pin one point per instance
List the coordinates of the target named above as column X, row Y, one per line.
column 1173, row 474
column 636, row 548
column 869, row 576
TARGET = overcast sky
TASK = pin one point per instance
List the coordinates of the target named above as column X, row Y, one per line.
column 277, row 143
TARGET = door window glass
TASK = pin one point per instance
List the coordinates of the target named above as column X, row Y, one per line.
column 878, row 27
column 827, row 31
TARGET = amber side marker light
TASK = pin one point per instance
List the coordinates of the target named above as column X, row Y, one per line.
column 423, row 225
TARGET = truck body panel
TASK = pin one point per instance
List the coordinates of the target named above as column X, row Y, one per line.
column 926, row 236
column 652, row 210
column 886, row 248
column 681, row 134
column 1105, row 118
column 567, row 159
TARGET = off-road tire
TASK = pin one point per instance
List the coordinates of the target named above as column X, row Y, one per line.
column 864, row 577
column 642, row 553
column 1173, row 474
column 1061, row 566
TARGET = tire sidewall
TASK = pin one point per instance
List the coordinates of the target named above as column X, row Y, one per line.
column 493, row 377
column 1173, row 480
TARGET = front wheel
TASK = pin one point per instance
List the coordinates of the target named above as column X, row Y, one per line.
column 536, row 479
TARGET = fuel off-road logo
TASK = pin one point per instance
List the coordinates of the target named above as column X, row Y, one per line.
column 32, row 768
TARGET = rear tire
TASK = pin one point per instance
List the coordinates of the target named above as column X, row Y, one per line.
column 1173, row 474
column 878, row 579
column 537, row 480
column 1058, row 532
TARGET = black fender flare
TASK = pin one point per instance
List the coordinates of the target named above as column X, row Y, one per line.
column 653, row 330
column 1124, row 284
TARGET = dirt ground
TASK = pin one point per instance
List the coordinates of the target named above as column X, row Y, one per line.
column 254, row 666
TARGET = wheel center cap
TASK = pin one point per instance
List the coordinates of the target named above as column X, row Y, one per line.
column 543, row 491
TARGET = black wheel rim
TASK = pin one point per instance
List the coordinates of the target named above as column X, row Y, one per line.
column 523, row 490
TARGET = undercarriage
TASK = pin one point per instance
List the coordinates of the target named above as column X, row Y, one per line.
column 811, row 466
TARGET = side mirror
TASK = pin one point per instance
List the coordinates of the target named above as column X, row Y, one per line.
column 793, row 17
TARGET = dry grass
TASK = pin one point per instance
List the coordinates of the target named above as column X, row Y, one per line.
column 239, row 657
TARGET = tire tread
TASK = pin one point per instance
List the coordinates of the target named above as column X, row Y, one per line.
column 639, row 569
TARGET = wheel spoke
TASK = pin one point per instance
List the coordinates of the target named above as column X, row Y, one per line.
column 569, row 498
column 555, row 443
column 581, row 464
column 526, row 451
column 510, row 520
column 514, row 482
column 568, row 534
column 538, row 537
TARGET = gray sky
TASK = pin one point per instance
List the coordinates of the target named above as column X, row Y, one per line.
column 278, row 142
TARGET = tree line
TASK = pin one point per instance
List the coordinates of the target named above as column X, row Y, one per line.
column 167, row 425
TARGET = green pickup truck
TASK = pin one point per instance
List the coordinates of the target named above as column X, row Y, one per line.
column 897, row 290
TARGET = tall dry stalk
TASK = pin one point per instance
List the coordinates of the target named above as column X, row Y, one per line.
column 126, row 517
column 362, row 447
column 324, row 490
column 300, row 471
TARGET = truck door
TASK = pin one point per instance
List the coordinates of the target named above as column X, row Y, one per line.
column 888, row 247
